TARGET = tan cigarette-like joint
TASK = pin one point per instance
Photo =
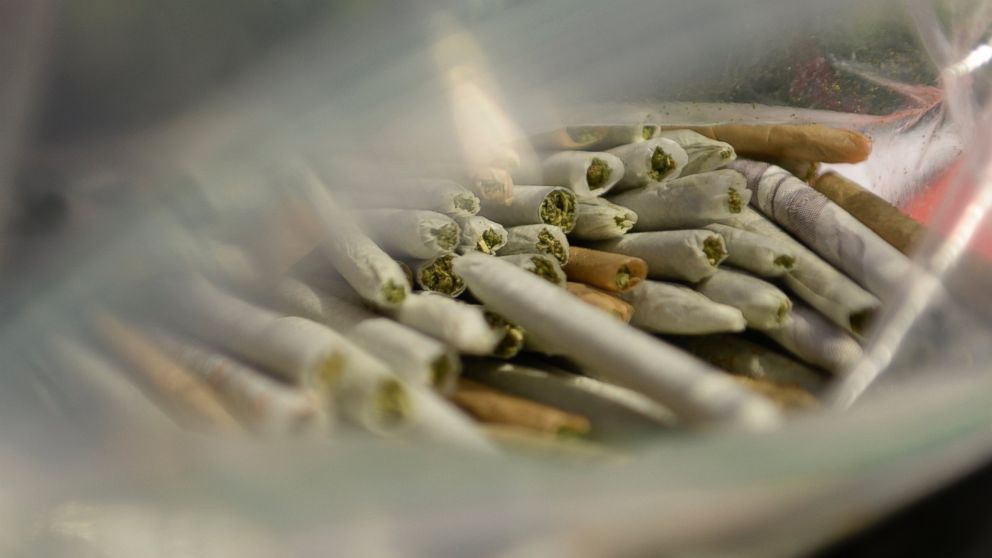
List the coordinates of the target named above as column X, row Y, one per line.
column 623, row 277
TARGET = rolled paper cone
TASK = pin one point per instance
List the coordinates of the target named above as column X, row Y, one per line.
column 592, row 137
column 369, row 270
column 362, row 388
column 746, row 358
column 685, row 255
column 413, row 356
column 440, row 195
column 789, row 398
column 436, row 275
column 534, row 205
column 676, row 309
column 759, row 254
column 543, row 266
column 601, row 300
column 761, row 303
column 807, row 142
column 462, row 326
column 536, row 239
column 491, row 406
column 93, row 376
column 191, row 399
column 606, row 270
column 644, row 162
column 815, row 281
column 491, row 184
column 687, row 202
column 266, row 406
column 705, row 154
column 892, row 225
column 512, row 336
column 613, row 411
column 827, row 229
column 479, row 234
column 438, row 420
column 813, row 339
column 598, row 219
column 412, row 233
column 585, row 173
column 613, row 350
column 377, row 401
column 298, row 350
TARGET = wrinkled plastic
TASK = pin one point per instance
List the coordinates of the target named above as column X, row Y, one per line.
column 129, row 144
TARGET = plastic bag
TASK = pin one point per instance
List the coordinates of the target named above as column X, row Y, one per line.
column 430, row 85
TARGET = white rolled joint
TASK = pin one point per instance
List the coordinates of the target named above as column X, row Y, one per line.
column 585, row 173
column 654, row 160
column 612, row 350
column 678, row 310
column 536, row 239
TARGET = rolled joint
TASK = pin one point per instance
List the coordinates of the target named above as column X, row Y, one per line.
column 328, row 372
column 393, row 293
column 624, row 221
column 392, row 405
column 558, row 208
column 446, row 235
column 547, row 243
column 441, row 370
column 584, row 135
column 785, row 261
column 622, row 278
column 783, row 311
column 661, row 164
column 489, row 240
column 598, row 173
column 544, row 269
column 512, row 336
column 714, row 249
column 861, row 320
column 734, row 201
column 440, row 277
column 467, row 203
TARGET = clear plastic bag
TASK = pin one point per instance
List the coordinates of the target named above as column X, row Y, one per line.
column 403, row 85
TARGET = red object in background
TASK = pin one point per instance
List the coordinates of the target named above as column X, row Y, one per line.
column 923, row 208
